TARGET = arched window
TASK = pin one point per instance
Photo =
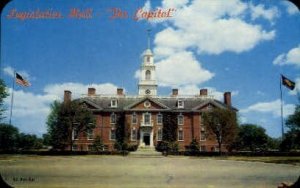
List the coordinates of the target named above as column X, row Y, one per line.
column 148, row 75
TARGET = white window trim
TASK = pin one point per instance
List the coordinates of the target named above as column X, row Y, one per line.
column 178, row 123
column 136, row 119
column 111, row 134
column 90, row 136
column 159, row 123
column 147, row 75
column 201, row 120
column 202, row 147
column 149, row 117
column 114, row 103
column 73, row 135
column 113, row 114
column 90, row 145
column 73, row 147
column 201, row 135
column 182, row 103
column 131, row 137
column 182, row 135
column 159, row 139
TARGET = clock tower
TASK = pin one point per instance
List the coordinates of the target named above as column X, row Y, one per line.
column 147, row 84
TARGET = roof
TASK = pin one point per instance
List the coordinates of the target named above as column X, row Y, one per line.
column 101, row 103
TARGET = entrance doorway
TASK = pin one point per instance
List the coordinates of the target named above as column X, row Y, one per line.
column 146, row 139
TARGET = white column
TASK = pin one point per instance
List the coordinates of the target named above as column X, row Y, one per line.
column 141, row 138
column 151, row 138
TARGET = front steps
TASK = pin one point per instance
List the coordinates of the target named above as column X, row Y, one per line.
column 145, row 151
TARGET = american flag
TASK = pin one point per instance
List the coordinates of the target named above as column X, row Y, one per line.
column 21, row 81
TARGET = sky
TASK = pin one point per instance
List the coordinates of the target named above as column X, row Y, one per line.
column 237, row 46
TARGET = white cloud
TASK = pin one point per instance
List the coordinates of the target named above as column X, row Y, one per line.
column 290, row 58
column 30, row 110
column 290, row 7
column 209, row 27
column 260, row 11
column 272, row 107
column 147, row 6
column 211, row 91
column 10, row 71
column 78, row 89
column 181, row 69
column 212, row 27
column 297, row 87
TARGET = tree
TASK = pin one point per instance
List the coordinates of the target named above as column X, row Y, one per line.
column 64, row 119
column 169, row 133
column 251, row 137
column 291, row 139
column 46, row 139
column 121, row 137
column 3, row 95
column 98, row 144
column 8, row 137
column 29, row 141
column 194, row 146
column 222, row 123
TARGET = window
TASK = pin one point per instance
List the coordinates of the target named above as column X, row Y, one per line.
column 134, row 118
column 180, row 104
column 112, row 134
column 202, row 135
column 159, row 134
column 75, row 134
column 180, row 119
column 90, row 134
column 148, row 59
column 202, row 148
column 114, row 103
column 201, row 120
column 148, row 75
column 113, row 118
column 90, row 147
column 147, row 118
column 159, row 119
column 180, row 135
column 216, row 149
column 133, row 134
column 74, row 147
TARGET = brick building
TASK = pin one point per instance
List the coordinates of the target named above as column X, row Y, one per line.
column 143, row 114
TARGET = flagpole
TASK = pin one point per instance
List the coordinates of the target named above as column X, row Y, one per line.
column 282, row 128
column 12, row 98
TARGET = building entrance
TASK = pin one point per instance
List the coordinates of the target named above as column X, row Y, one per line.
column 146, row 139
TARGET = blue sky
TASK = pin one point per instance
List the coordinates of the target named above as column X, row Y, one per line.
column 237, row 46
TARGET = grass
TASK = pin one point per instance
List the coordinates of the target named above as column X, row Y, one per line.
column 278, row 160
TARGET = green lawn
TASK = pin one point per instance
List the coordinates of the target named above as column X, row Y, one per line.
column 131, row 171
column 279, row 160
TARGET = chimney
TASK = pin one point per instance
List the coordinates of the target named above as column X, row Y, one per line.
column 91, row 91
column 67, row 96
column 120, row 91
column 227, row 98
column 174, row 92
column 203, row 92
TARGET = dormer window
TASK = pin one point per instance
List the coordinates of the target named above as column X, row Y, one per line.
column 180, row 104
column 114, row 103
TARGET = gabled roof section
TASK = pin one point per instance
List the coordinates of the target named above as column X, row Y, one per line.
column 214, row 103
column 91, row 104
column 141, row 104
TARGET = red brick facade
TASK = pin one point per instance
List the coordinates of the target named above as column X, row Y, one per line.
column 192, row 126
